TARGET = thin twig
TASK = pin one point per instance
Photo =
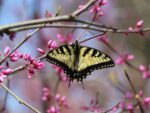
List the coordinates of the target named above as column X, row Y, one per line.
column 95, row 36
column 19, row 99
column 116, row 106
column 84, row 8
column 134, row 91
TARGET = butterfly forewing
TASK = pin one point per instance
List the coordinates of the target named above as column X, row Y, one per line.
column 63, row 57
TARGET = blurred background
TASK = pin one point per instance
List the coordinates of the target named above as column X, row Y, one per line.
column 117, row 13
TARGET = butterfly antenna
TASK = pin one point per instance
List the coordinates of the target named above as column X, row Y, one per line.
column 81, row 35
column 69, row 83
column 82, row 84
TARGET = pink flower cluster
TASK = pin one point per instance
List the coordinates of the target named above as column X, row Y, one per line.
column 61, row 100
column 122, row 59
column 129, row 105
column 15, row 56
column 145, row 71
column 60, row 103
column 46, row 94
column 33, row 64
column 137, row 28
column 97, row 7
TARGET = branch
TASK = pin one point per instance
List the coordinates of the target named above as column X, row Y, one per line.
column 56, row 26
column 19, row 99
column 70, row 17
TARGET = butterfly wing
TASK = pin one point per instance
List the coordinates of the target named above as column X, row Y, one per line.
column 91, row 59
column 63, row 57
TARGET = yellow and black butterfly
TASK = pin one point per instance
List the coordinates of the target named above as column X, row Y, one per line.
column 78, row 61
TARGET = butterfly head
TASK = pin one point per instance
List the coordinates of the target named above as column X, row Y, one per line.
column 75, row 45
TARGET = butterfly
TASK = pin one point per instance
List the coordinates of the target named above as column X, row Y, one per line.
column 78, row 61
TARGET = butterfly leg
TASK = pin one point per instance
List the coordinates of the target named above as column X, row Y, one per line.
column 71, row 80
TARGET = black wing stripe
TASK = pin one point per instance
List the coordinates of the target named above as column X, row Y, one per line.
column 86, row 51
column 95, row 52
column 68, row 49
column 62, row 50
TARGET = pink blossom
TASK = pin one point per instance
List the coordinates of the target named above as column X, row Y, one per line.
column 48, row 14
column 61, row 38
column 119, row 60
column 6, row 51
column 146, row 102
column 102, row 2
column 146, row 74
column 130, row 29
column 61, row 100
column 68, row 38
column 103, row 38
column 94, row 9
column 2, row 76
column 129, row 56
column 139, row 24
column 80, row 6
column 57, row 97
column 41, row 50
column 15, row 56
column 20, row 55
column 100, row 14
column 46, row 94
column 30, row 73
column 1, row 67
column 145, row 71
column 38, row 64
column 27, row 57
column 140, row 93
column 52, row 44
column 122, row 105
column 53, row 109
column 7, row 71
column 122, row 59
column 142, row 68
column 129, row 106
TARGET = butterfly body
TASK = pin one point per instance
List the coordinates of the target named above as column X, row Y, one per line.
column 78, row 61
